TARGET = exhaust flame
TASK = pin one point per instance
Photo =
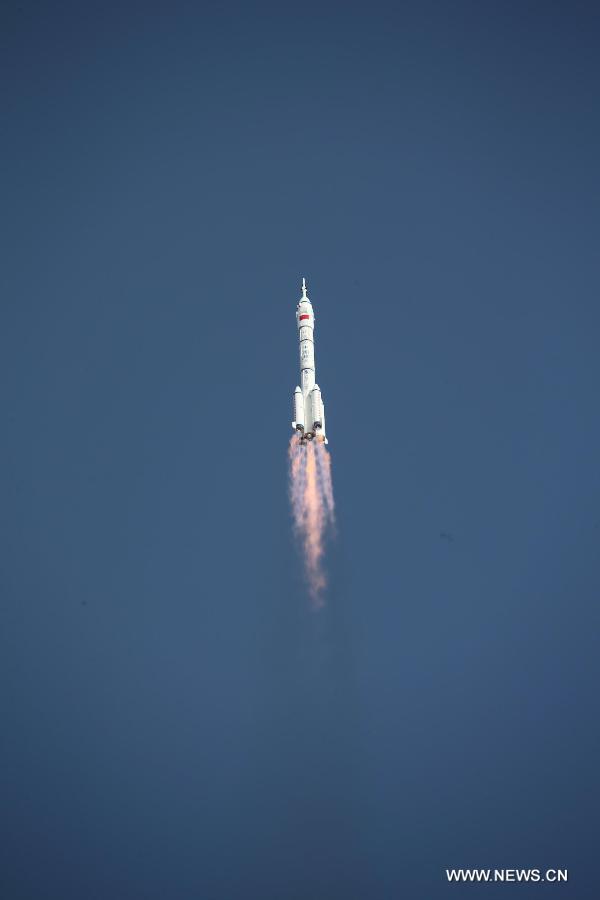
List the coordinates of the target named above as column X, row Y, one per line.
column 313, row 511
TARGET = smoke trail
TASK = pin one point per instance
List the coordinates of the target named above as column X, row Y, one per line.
column 311, row 495
column 324, row 469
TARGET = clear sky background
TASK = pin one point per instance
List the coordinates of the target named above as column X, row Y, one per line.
column 176, row 723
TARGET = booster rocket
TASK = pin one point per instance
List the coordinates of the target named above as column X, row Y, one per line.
column 309, row 409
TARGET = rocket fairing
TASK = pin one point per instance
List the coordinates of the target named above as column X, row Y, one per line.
column 309, row 409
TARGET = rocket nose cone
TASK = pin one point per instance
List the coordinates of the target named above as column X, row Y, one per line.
column 316, row 388
column 297, row 391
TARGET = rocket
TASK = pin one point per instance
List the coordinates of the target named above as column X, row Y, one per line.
column 309, row 409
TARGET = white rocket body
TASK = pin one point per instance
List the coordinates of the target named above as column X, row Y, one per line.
column 309, row 409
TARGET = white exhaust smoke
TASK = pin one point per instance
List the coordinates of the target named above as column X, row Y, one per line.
column 313, row 510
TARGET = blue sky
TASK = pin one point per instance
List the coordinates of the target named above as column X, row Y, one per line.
column 177, row 723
